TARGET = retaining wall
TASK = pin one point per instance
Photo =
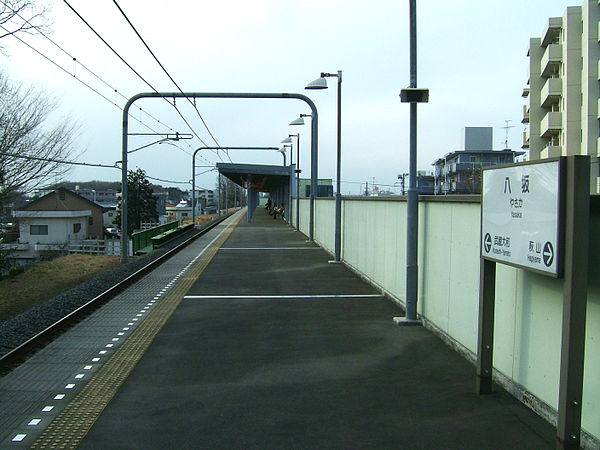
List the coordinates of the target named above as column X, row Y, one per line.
column 528, row 318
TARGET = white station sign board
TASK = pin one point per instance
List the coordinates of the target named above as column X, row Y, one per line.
column 521, row 221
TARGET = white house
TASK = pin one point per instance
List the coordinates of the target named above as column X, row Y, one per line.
column 179, row 212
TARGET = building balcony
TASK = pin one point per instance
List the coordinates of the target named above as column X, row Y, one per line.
column 551, row 124
column 525, row 138
column 552, row 151
column 551, row 92
column 525, row 117
column 551, row 60
column 525, row 92
column 552, row 31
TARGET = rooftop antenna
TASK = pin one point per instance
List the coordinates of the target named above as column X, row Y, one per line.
column 506, row 128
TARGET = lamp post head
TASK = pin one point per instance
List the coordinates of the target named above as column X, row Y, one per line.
column 287, row 140
column 298, row 121
column 319, row 83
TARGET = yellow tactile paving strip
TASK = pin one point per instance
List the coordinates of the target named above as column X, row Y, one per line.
column 73, row 423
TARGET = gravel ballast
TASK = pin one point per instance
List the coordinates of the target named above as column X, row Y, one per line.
column 18, row 329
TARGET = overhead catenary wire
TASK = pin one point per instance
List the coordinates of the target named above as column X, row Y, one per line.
column 95, row 75
column 99, row 78
column 76, row 60
column 50, row 60
column 60, row 161
column 132, row 69
column 164, row 70
column 170, row 77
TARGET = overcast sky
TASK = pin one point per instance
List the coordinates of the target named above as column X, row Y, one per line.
column 471, row 55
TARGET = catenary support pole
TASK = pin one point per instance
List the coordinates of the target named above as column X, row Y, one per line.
column 243, row 95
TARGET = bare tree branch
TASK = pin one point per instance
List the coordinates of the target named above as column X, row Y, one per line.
column 23, row 116
column 23, row 16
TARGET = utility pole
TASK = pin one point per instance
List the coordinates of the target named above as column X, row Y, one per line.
column 412, row 95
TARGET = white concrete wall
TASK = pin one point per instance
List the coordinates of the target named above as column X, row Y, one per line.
column 528, row 306
column 60, row 230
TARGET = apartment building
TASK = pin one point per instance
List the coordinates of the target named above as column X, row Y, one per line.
column 562, row 111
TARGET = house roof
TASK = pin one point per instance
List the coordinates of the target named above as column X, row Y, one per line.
column 31, row 205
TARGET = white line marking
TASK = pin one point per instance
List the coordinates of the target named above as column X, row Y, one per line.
column 19, row 437
column 270, row 248
column 233, row 297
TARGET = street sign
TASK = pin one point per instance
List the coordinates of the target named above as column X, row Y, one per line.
column 521, row 222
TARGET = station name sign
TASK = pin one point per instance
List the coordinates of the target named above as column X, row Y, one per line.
column 521, row 221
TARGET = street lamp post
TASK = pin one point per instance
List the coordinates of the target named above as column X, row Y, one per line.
column 298, row 121
column 321, row 83
column 412, row 95
column 297, row 171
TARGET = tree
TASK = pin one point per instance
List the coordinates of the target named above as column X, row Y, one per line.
column 22, row 16
column 230, row 192
column 30, row 154
column 141, row 204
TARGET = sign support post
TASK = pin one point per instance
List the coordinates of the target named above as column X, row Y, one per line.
column 562, row 243
column 575, row 289
column 485, row 332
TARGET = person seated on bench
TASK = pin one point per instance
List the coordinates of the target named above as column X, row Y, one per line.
column 279, row 211
column 268, row 205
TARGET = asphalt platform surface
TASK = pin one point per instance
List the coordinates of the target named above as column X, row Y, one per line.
column 273, row 347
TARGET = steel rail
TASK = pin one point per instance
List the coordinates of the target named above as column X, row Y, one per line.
column 19, row 354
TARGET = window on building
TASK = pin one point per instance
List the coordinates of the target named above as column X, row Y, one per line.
column 61, row 195
column 38, row 230
column 76, row 228
column 90, row 220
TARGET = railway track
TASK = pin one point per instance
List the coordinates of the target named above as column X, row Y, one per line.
column 22, row 351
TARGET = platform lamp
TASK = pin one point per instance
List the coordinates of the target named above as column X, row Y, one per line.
column 298, row 121
column 321, row 83
column 287, row 143
column 297, row 170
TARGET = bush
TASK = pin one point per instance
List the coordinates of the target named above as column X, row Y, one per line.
column 15, row 270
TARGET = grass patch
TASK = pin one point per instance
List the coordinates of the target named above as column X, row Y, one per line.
column 49, row 279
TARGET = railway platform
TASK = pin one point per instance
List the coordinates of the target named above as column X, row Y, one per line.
column 248, row 338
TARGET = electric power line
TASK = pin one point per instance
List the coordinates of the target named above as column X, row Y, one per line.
column 78, row 79
column 165, row 70
column 75, row 60
column 132, row 69
column 60, row 161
